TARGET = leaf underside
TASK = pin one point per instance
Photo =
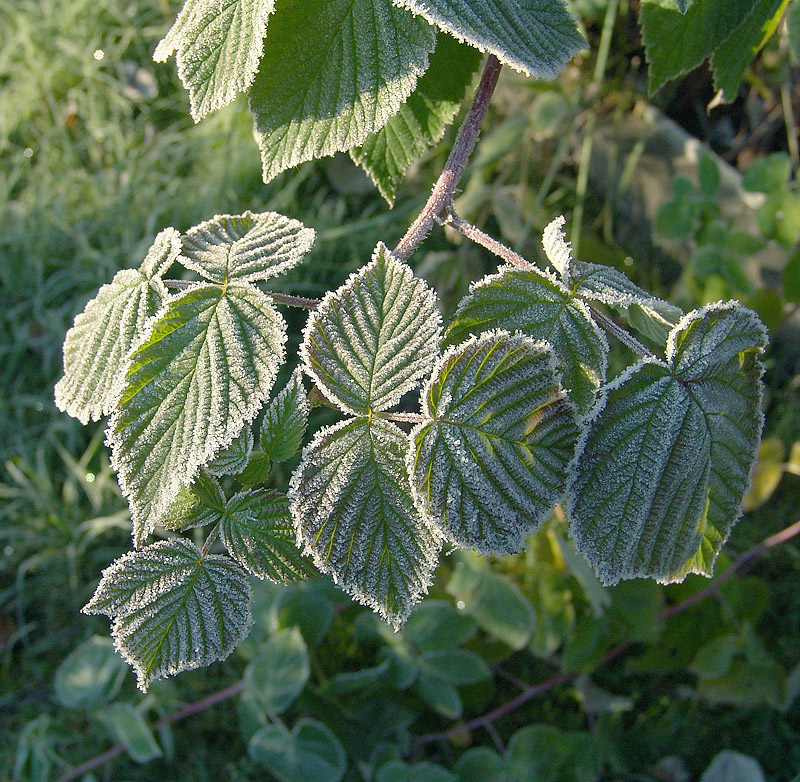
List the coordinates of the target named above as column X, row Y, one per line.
column 200, row 375
column 245, row 247
column 331, row 74
column 421, row 121
column 354, row 514
column 219, row 44
column 663, row 467
column 96, row 348
column 492, row 462
column 535, row 37
column 173, row 609
column 540, row 305
column 374, row 338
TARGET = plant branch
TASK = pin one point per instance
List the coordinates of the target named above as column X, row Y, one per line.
column 623, row 336
column 280, row 298
column 565, row 678
column 442, row 194
column 482, row 238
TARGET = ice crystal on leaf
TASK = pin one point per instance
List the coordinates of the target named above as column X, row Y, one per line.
column 374, row 338
column 665, row 462
column 331, row 74
column 96, row 348
column 245, row 247
column 200, row 373
column 233, row 459
column 285, row 421
column 492, row 462
column 173, row 609
column 219, row 44
column 542, row 306
column 557, row 249
column 536, row 37
column 352, row 507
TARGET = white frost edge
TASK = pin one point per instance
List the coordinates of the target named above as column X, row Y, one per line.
column 557, row 248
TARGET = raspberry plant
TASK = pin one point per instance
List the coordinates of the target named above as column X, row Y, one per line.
column 515, row 411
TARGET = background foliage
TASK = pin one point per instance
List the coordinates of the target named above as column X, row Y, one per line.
column 97, row 153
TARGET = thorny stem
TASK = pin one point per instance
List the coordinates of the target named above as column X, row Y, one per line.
column 442, row 194
column 748, row 558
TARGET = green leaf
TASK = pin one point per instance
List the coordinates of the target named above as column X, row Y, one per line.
column 440, row 695
column 768, row 173
column 327, row 89
column 257, row 530
column 173, row 608
column 309, row 751
column 479, row 764
column 421, row 121
column 648, row 314
column 665, row 462
column 374, row 338
column 791, row 277
column 779, row 217
column 491, row 461
column 198, row 505
column 245, row 247
column 200, row 374
column 676, row 42
column 278, row 674
column 285, row 421
column 793, row 28
column 547, row 754
column 91, row 675
column 306, row 607
column 454, row 666
column 233, row 459
column 537, row 303
column 354, row 514
column 536, row 37
column 708, row 172
column 219, row 44
column 731, row 58
column 128, row 727
column 435, row 625
column 730, row 766
column 97, row 346
column 398, row 771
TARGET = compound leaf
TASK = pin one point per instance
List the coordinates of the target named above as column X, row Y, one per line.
column 421, row 121
column 285, row 421
column 200, row 374
column 372, row 340
column 535, row 37
column 540, row 305
column 677, row 41
column 219, row 44
column 245, row 247
column 663, row 467
column 326, row 88
column 256, row 528
column 648, row 314
column 173, row 608
column 354, row 514
column 492, row 462
column 96, row 348
column 233, row 459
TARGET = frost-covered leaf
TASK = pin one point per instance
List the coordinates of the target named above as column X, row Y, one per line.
column 557, row 249
column 331, row 74
column 540, row 305
column 233, row 459
column 648, row 314
column 219, row 44
column 96, row 348
column 256, row 528
column 729, row 60
column 421, row 121
column 372, row 340
column 245, row 247
column 352, row 506
column 492, row 462
column 197, row 505
column 676, row 42
column 536, row 37
column 662, row 469
column 285, row 421
column 173, row 608
column 201, row 373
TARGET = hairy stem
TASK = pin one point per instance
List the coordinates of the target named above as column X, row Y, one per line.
column 623, row 336
column 482, row 238
column 442, row 194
